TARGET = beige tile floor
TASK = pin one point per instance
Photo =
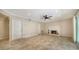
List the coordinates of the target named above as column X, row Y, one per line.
column 4, row 44
column 40, row 42
column 44, row 42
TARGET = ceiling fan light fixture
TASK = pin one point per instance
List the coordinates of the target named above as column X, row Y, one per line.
column 46, row 17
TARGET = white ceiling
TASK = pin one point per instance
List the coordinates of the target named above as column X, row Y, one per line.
column 36, row 14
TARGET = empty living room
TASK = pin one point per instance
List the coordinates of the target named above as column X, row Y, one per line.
column 39, row 29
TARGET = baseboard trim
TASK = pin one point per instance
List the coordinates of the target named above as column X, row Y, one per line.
column 6, row 36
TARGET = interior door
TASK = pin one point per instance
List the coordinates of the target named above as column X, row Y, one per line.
column 74, row 29
column 77, row 29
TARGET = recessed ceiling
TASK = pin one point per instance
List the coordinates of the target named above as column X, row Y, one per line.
column 36, row 14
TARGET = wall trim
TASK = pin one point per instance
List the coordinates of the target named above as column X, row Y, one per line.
column 4, row 36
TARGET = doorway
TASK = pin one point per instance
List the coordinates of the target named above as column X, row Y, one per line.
column 4, row 32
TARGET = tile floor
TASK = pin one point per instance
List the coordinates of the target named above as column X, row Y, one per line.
column 40, row 42
column 44, row 42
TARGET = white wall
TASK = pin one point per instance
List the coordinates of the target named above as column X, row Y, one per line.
column 30, row 28
column 43, row 28
column 22, row 28
column 64, row 28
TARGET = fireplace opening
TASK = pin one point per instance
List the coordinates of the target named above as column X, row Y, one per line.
column 54, row 32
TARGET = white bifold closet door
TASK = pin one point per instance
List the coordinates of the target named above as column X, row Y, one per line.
column 16, row 28
column 22, row 28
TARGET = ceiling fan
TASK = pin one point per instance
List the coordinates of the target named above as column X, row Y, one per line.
column 46, row 17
